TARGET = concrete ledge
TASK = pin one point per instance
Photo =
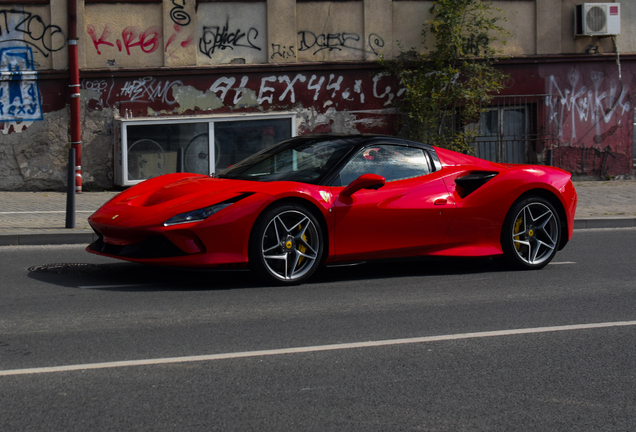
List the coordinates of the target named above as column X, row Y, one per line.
column 9, row 239
column 590, row 223
column 47, row 239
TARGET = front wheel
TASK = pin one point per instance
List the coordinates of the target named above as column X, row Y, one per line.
column 531, row 233
column 286, row 244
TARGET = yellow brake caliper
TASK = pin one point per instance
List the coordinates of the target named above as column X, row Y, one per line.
column 302, row 248
column 518, row 223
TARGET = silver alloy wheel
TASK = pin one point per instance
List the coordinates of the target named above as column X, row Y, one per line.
column 535, row 233
column 290, row 245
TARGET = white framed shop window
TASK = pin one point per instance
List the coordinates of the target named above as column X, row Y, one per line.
column 146, row 148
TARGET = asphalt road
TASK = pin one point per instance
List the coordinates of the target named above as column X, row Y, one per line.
column 445, row 345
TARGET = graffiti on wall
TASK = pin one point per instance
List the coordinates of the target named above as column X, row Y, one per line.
column 132, row 41
column 315, row 43
column 144, row 90
column 222, row 38
column 228, row 36
column 99, row 90
column 181, row 20
column 122, row 41
column 282, row 51
column 178, row 15
column 31, row 30
column 148, row 90
column 263, row 92
column 577, row 110
column 147, row 41
column 19, row 92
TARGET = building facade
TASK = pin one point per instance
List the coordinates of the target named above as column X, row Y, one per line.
column 223, row 79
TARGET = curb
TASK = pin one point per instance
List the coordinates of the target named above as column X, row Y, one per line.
column 59, row 237
column 616, row 222
column 43, row 239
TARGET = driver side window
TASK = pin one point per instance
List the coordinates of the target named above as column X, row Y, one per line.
column 389, row 161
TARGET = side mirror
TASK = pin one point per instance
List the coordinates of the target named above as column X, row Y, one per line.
column 365, row 181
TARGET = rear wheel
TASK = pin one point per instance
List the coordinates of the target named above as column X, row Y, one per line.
column 531, row 233
column 286, row 244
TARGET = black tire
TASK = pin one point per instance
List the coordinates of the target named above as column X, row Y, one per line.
column 286, row 244
column 531, row 233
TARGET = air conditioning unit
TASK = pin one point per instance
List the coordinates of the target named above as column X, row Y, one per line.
column 597, row 19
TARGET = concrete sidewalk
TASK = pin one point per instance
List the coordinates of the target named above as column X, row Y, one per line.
column 39, row 218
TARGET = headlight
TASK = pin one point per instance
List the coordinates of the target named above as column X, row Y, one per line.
column 203, row 213
column 196, row 215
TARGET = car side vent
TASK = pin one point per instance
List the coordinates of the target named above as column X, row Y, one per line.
column 472, row 181
column 237, row 198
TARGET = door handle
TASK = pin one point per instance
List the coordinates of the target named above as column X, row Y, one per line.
column 440, row 201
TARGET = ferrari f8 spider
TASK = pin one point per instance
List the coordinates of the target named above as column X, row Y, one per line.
column 317, row 199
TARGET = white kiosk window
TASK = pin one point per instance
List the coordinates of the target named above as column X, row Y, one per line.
column 149, row 147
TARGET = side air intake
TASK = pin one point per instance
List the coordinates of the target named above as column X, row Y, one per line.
column 472, row 181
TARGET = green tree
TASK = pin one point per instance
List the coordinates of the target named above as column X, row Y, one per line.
column 445, row 90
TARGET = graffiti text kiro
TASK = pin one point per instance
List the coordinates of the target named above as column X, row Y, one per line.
column 148, row 89
column 147, row 41
column 16, row 26
column 576, row 104
column 222, row 38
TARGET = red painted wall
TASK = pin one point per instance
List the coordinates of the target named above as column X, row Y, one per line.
column 585, row 104
column 588, row 106
column 364, row 93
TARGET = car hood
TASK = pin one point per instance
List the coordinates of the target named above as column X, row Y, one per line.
column 156, row 200
column 189, row 189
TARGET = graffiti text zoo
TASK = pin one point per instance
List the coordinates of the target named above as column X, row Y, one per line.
column 32, row 30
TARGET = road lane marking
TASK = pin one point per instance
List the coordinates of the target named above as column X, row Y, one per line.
column 310, row 349
column 562, row 262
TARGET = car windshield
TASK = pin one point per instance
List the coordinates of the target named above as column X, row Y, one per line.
column 300, row 159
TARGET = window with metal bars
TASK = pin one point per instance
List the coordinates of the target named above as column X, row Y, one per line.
column 515, row 129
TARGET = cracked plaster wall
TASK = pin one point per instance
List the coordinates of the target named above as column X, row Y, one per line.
column 36, row 159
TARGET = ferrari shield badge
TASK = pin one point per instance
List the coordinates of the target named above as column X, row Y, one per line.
column 326, row 196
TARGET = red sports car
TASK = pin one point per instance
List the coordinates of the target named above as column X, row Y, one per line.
column 318, row 199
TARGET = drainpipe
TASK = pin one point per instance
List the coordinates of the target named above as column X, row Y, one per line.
column 74, row 91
